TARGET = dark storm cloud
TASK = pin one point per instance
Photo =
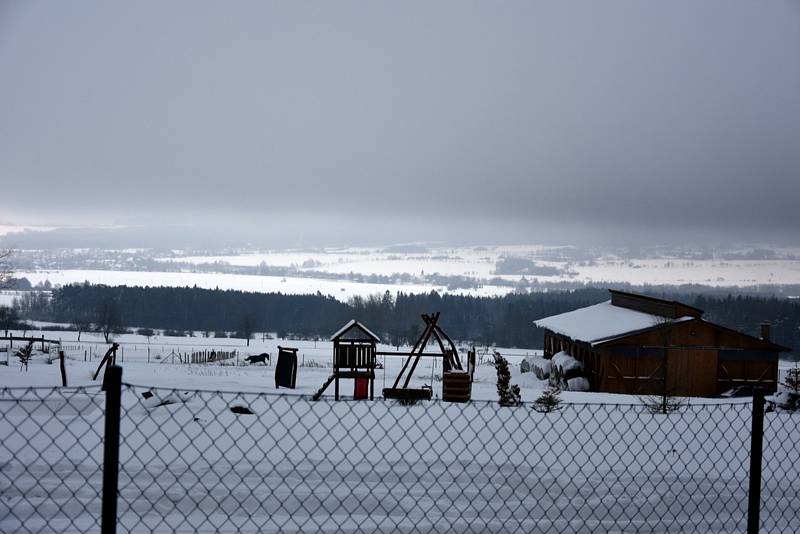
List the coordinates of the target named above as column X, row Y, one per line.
column 492, row 117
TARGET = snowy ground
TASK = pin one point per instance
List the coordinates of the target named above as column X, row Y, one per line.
column 559, row 265
column 164, row 354
column 715, row 273
column 157, row 362
column 340, row 289
column 480, row 262
column 191, row 465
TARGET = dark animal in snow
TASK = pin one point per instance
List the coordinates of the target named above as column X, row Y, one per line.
column 263, row 358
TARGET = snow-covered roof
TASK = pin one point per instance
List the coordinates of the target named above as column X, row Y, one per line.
column 355, row 324
column 601, row 322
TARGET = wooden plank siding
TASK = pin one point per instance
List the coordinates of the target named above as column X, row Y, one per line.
column 693, row 363
column 354, row 355
column 655, row 306
column 630, row 374
column 698, row 358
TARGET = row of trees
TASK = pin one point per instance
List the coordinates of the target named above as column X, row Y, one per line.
column 8, row 316
column 506, row 320
column 5, row 267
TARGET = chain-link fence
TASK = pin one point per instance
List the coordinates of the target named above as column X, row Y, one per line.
column 51, row 459
column 200, row 461
column 780, row 473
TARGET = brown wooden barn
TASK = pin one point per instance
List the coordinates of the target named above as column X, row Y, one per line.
column 632, row 343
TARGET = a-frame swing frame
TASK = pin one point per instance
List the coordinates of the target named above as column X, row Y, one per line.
column 450, row 361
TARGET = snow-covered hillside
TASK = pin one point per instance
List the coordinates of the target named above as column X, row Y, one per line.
column 345, row 272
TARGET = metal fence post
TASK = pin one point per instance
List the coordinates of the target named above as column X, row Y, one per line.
column 113, row 389
column 756, row 451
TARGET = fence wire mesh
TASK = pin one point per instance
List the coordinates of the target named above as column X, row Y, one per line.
column 200, row 461
column 51, row 458
column 780, row 479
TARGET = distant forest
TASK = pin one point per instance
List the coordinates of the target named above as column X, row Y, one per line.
column 506, row 321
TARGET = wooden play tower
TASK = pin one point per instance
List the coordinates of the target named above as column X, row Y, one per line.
column 354, row 347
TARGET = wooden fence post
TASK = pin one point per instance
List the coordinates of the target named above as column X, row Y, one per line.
column 63, row 368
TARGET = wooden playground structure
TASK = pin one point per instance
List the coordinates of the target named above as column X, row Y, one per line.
column 456, row 381
column 355, row 356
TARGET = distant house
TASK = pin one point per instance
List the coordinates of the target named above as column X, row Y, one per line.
column 634, row 343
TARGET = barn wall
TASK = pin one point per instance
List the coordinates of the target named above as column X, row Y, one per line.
column 630, row 372
column 736, row 368
column 702, row 360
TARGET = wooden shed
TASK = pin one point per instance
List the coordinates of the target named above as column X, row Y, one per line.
column 638, row 344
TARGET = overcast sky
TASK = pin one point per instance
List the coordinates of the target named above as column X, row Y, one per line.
column 482, row 120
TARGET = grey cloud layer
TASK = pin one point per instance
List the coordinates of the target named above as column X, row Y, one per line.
column 621, row 113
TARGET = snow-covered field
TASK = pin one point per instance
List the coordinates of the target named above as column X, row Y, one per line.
column 364, row 261
column 164, row 354
column 189, row 464
column 340, row 289
column 13, row 228
column 341, row 272
column 716, row 273
column 480, row 262
column 157, row 362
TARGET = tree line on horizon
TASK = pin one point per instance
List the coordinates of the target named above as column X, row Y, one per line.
column 505, row 320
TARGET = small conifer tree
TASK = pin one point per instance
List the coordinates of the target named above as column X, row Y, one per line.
column 25, row 354
column 549, row 401
column 665, row 402
column 790, row 398
column 509, row 393
column 792, row 379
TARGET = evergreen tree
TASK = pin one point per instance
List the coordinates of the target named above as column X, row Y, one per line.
column 549, row 401
column 8, row 318
column 508, row 393
column 25, row 353
column 505, row 321
column 792, row 379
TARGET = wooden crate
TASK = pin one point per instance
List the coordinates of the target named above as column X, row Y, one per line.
column 456, row 386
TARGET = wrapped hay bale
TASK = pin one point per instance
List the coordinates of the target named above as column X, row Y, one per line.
column 566, row 365
column 578, row 383
column 541, row 368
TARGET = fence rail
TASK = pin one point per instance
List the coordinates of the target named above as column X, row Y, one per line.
column 201, row 461
column 150, row 353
